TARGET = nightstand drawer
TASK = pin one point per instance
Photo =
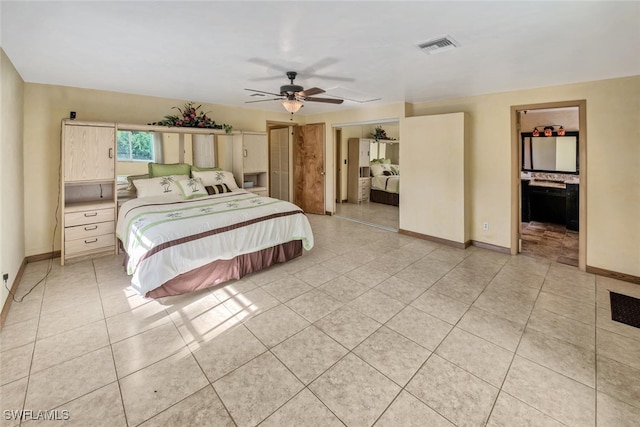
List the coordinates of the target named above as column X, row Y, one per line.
column 88, row 217
column 89, row 230
column 89, row 244
column 364, row 195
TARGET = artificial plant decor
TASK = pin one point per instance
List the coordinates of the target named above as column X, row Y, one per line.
column 190, row 117
column 380, row 134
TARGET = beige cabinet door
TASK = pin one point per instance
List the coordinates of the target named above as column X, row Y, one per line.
column 364, row 153
column 89, row 153
column 255, row 153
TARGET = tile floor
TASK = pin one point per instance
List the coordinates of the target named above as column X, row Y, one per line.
column 550, row 241
column 369, row 328
column 371, row 213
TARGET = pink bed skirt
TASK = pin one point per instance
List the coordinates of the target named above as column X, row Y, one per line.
column 220, row 271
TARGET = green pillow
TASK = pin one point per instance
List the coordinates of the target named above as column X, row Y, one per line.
column 197, row 169
column 164, row 169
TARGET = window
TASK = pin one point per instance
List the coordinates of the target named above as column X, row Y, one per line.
column 135, row 146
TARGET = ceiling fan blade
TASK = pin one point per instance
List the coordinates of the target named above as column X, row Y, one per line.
column 261, row 91
column 310, row 91
column 263, row 100
column 326, row 100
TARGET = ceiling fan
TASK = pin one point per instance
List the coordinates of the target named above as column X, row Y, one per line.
column 293, row 96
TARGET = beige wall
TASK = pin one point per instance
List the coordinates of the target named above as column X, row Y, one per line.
column 613, row 162
column 566, row 117
column 48, row 105
column 11, row 173
column 613, row 154
column 432, row 198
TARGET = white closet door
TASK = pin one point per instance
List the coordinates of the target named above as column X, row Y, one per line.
column 279, row 163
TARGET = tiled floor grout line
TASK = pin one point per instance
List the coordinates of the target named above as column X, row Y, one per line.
column 113, row 358
column 595, row 347
column 33, row 350
column 343, row 304
column 515, row 353
column 432, row 352
column 210, row 384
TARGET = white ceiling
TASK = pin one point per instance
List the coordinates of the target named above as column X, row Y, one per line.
column 209, row 51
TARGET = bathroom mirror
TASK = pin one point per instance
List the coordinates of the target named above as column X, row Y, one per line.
column 550, row 153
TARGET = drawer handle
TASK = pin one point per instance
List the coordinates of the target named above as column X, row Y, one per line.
column 91, row 241
column 90, row 228
column 91, row 214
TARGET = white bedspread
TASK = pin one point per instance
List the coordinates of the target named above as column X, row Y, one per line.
column 165, row 236
column 389, row 183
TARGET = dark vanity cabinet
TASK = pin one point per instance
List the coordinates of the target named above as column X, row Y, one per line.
column 572, row 206
column 525, row 206
column 551, row 161
column 551, row 204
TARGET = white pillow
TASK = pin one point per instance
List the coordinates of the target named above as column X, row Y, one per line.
column 191, row 188
column 161, row 186
column 378, row 169
column 216, row 178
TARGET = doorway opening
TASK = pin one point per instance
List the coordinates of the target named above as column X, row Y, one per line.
column 549, row 171
column 296, row 164
column 359, row 195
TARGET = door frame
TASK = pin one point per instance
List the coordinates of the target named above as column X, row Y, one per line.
column 289, row 129
column 337, row 137
column 516, row 155
column 278, row 125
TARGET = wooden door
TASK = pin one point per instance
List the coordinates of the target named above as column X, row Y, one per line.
column 89, row 153
column 279, row 163
column 308, row 157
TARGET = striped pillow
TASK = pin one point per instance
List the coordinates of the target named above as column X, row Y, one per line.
column 217, row 189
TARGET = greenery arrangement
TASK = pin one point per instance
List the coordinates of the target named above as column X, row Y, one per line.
column 190, row 117
column 380, row 134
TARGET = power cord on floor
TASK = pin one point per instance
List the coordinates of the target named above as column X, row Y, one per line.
column 53, row 241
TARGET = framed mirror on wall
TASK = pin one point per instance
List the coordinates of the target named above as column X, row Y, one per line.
column 554, row 154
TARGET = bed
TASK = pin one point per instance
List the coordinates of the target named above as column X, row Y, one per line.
column 176, row 245
column 385, row 184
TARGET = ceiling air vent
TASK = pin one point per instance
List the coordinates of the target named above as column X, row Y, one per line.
column 439, row 45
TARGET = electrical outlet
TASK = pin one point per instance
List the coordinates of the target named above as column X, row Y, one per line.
column 485, row 226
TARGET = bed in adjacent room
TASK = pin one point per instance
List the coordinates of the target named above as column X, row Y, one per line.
column 194, row 236
column 385, row 184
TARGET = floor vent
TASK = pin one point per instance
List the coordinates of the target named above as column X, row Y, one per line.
column 439, row 45
column 625, row 309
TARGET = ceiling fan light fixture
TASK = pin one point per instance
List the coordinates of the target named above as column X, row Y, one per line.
column 292, row 105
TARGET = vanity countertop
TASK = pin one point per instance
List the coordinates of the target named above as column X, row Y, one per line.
column 550, row 180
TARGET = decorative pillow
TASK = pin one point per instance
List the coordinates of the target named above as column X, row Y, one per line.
column 197, row 169
column 191, row 188
column 162, row 186
column 132, row 178
column 379, row 168
column 395, row 169
column 216, row 178
column 165, row 169
column 217, row 189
